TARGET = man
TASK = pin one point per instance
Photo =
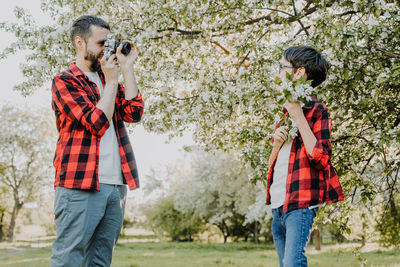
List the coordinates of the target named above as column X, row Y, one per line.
column 301, row 176
column 94, row 158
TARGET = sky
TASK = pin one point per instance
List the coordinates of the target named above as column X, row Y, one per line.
column 151, row 150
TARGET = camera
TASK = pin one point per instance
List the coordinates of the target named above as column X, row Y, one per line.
column 111, row 46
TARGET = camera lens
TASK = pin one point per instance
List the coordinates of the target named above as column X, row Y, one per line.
column 126, row 47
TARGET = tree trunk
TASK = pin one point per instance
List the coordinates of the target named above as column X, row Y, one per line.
column 224, row 230
column 317, row 236
column 363, row 233
column 393, row 210
column 256, row 232
column 1, row 224
column 17, row 207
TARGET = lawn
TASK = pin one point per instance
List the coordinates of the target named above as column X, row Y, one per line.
column 146, row 254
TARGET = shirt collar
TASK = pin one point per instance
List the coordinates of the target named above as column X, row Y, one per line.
column 75, row 70
column 78, row 72
column 311, row 103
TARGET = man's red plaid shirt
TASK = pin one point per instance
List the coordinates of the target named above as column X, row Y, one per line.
column 311, row 179
column 81, row 125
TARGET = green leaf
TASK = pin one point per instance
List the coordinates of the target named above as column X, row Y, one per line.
column 303, row 79
column 346, row 74
column 289, row 76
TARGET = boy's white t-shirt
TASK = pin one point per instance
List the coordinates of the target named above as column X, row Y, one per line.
column 109, row 158
column 278, row 186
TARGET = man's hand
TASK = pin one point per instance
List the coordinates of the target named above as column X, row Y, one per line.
column 109, row 66
column 294, row 110
column 127, row 61
column 280, row 136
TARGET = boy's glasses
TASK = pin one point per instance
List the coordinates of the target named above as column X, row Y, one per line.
column 285, row 66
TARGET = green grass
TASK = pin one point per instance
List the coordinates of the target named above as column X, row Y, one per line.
column 196, row 254
column 149, row 237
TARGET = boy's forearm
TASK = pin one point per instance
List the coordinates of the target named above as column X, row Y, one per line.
column 306, row 133
column 274, row 153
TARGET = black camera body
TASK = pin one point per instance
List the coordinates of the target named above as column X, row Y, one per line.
column 111, row 46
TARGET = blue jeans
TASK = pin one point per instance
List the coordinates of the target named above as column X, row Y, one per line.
column 291, row 232
column 88, row 224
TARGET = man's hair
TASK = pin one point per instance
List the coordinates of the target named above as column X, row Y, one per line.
column 315, row 64
column 81, row 27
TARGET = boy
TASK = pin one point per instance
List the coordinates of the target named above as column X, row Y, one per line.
column 301, row 176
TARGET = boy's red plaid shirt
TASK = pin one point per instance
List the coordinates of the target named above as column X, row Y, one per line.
column 311, row 178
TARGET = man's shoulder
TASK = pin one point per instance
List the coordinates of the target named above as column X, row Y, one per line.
column 64, row 80
column 71, row 73
column 66, row 74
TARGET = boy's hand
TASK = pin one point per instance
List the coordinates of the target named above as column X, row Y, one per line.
column 294, row 110
column 280, row 136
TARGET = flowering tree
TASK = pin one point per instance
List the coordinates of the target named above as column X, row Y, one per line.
column 206, row 66
column 25, row 158
column 220, row 193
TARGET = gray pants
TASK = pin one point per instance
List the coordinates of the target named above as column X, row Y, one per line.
column 88, row 224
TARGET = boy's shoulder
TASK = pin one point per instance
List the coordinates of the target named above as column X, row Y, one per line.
column 315, row 110
column 315, row 104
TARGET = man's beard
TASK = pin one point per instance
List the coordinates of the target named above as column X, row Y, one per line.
column 95, row 65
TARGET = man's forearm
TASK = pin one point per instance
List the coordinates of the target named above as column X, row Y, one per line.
column 107, row 100
column 306, row 133
column 130, row 84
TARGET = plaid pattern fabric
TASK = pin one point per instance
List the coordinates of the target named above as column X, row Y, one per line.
column 81, row 125
column 311, row 179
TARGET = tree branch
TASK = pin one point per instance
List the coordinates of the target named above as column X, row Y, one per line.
column 298, row 19
column 223, row 48
column 396, row 122
column 248, row 53
column 280, row 11
column 305, row 12
column 302, row 29
column 388, row 53
column 185, row 98
column 351, row 12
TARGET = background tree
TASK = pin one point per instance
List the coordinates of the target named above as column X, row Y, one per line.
column 3, row 211
column 219, row 192
column 25, row 156
column 206, row 66
column 164, row 218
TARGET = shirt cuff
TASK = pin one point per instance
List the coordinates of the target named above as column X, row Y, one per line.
column 102, row 124
column 318, row 155
column 137, row 99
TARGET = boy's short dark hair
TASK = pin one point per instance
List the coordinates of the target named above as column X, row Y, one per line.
column 315, row 64
column 81, row 27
